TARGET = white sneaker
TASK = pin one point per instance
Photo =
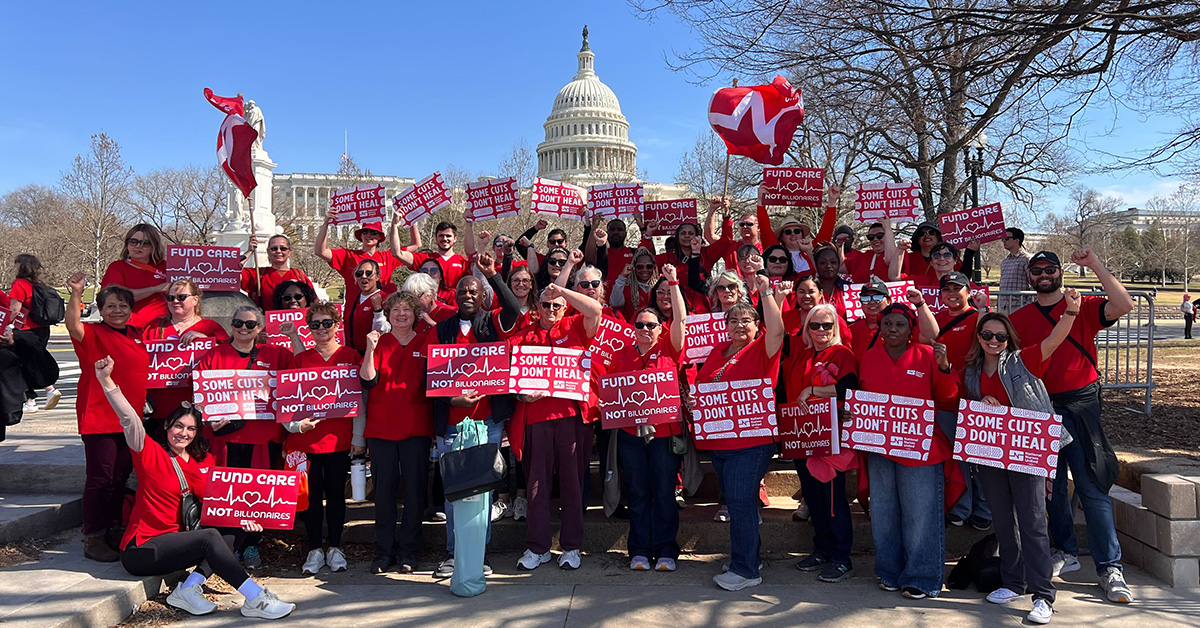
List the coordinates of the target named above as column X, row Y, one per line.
column 733, row 582
column 722, row 515
column 500, row 510
column 530, row 561
column 190, row 599
column 1041, row 613
column 520, row 509
column 52, row 399
column 314, row 562
column 1003, row 595
column 1113, row 583
column 569, row 560
column 336, row 559
column 267, row 606
column 801, row 513
column 29, row 407
column 1061, row 563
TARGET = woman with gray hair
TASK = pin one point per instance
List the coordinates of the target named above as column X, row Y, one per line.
column 433, row 311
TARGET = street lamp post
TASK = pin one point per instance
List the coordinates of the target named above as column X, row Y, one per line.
column 974, row 169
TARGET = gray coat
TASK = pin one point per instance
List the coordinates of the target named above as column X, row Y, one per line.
column 1024, row 390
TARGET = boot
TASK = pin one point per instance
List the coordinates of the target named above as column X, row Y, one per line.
column 96, row 548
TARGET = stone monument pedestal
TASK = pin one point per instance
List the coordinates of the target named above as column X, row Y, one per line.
column 236, row 229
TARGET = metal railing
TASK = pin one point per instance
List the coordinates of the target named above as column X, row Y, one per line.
column 1125, row 351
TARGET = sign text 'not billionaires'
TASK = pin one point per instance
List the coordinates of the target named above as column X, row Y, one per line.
column 639, row 398
column 482, row 367
column 323, row 392
column 233, row 496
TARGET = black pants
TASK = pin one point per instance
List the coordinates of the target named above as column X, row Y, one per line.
column 391, row 461
column 327, row 475
column 1018, row 503
column 206, row 549
column 42, row 336
column 829, row 513
column 1187, row 326
column 239, row 456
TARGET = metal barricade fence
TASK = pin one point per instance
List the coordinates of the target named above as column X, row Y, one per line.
column 1125, row 351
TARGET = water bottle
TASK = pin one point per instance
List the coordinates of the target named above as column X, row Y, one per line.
column 358, row 479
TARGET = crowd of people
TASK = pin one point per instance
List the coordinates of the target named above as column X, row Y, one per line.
column 781, row 293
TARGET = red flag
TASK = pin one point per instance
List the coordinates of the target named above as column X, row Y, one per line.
column 757, row 121
column 226, row 105
column 233, row 151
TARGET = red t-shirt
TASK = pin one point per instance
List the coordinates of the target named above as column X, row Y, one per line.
column 156, row 505
column 271, row 279
column 453, row 268
column 793, row 322
column 330, row 435
column 860, row 337
column 751, row 362
column 915, row 265
column 914, row 374
column 22, row 291
column 863, row 265
column 397, row 407
column 823, row 368
column 135, row 277
column 1031, row 356
column 346, row 261
column 1067, row 368
column 131, row 371
column 363, row 316
column 568, row 333
column 523, row 321
column 661, row 356
column 167, row 399
column 269, row 358
column 958, row 339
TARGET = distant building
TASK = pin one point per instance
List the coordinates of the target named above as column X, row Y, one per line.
column 1170, row 221
column 301, row 199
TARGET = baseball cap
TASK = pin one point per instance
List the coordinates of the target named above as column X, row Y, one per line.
column 846, row 229
column 954, row 277
column 1045, row 256
column 875, row 285
column 929, row 225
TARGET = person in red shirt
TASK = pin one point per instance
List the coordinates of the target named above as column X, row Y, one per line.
column 796, row 239
column 154, row 543
column 364, row 312
column 326, row 444
column 434, row 309
column 556, row 438
column 557, row 263
column 879, row 258
column 524, row 288
column 393, row 370
column 451, row 265
column 996, row 363
column 808, row 295
column 825, row 369
column 141, row 270
column 346, row 261
column 1072, row 380
column 632, row 289
column 831, row 284
column 445, row 289
column 748, row 233
column 279, row 254
column 107, row 459
column 607, row 251
column 20, row 301
column 874, row 297
column 907, row 502
column 291, row 294
column 689, row 244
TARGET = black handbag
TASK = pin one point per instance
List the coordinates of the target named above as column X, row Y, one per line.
column 473, row 471
column 189, row 504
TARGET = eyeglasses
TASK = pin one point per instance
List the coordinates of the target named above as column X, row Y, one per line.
column 595, row 283
column 432, row 271
column 554, row 307
column 739, row 322
column 238, row 323
column 138, row 243
column 774, row 259
column 799, row 232
column 644, row 266
column 178, row 297
column 746, row 225
column 941, row 255
column 814, row 326
column 726, row 287
column 643, row 325
column 279, row 249
column 556, row 261
column 521, row 282
column 874, row 236
column 501, row 244
column 364, row 273
column 327, row 323
column 1049, row 270
column 988, row 335
column 290, row 298
column 1007, row 238
column 872, row 298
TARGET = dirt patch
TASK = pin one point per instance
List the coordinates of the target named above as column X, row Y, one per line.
column 1174, row 425
column 22, row 551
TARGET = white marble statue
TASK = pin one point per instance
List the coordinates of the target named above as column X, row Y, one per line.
column 254, row 118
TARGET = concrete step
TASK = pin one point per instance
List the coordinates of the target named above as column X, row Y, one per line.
column 35, row 516
column 41, row 464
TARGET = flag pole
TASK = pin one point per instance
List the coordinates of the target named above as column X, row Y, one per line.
column 254, row 258
column 725, row 185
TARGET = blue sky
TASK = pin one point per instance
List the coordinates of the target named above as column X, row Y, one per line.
column 416, row 86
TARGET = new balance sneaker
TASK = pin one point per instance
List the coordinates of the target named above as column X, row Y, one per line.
column 520, row 509
column 530, row 561
column 1003, row 595
column 190, row 599
column 445, row 569
column 665, row 564
column 836, row 572
column 812, row 562
column 336, row 559
column 733, row 582
column 1061, row 563
column 314, row 562
column 267, row 606
column 1113, row 583
column 500, row 510
column 569, row 560
column 722, row 515
column 250, row 559
column 639, row 563
column 1041, row 613
column 53, row 398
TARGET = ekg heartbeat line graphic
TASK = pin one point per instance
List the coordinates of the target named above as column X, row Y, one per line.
column 173, row 363
column 977, row 227
column 806, row 430
column 640, row 397
column 204, row 267
column 469, row 369
column 316, row 392
column 612, row 343
column 251, row 499
column 794, row 186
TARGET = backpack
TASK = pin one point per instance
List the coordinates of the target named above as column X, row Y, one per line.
column 48, row 307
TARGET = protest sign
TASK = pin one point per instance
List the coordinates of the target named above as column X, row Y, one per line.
column 559, row 372
column 933, row 296
column 422, row 199
column 555, row 198
column 985, row 224
column 639, row 398
column 275, row 318
column 704, row 331
column 743, row 408
column 482, row 367
column 358, row 205
column 796, row 187
column 6, row 318
column 1025, row 441
column 891, row 425
column 896, row 201
column 615, row 200
column 495, row 198
column 323, row 392
column 852, row 297
column 666, row 216
column 210, row 267
column 171, row 364
column 612, row 336
column 812, row 433
column 233, row 496
column 234, row 394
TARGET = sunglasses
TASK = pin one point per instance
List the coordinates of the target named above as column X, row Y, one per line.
column 1049, row 270
column 746, row 225
column 988, row 335
column 521, row 282
column 364, row 273
column 642, row 325
column 547, row 305
column 814, row 326
column 178, row 297
column 874, row 236
column 238, row 323
column 726, row 287
column 595, row 283
column 872, row 298
column 292, row 298
column 431, row 271
column 922, row 233
column 556, row 261
column 777, row 260
column 1007, row 238
column 322, row 324
column 501, row 244
column 941, row 255
column 279, row 249
column 556, row 242
column 798, row 232
column 644, row 266
column 138, row 243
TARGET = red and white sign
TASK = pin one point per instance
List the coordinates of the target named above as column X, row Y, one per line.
column 985, row 224
column 555, row 198
column 323, row 392
column 796, row 187
column 742, row 408
column 639, row 398
column 812, row 433
column 897, row 201
column 1025, row 441
column 668, row 215
column 171, row 365
column 211, row 267
column 422, row 199
column 358, row 205
column 703, row 332
column 275, row 318
column 612, row 336
column 482, row 367
column 233, row 496
column 234, row 394
column 933, row 296
column 561, row 373
column 615, row 200
column 488, row 200
column 891, row 425
column 852, row 297
column 6, row 318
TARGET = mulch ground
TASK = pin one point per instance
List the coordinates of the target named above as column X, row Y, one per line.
column 1174, row 425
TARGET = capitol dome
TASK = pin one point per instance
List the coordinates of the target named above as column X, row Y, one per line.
column 587, row 137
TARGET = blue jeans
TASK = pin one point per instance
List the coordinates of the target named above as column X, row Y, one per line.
column 650, row 470
column 495, row 435
column 972, row 501
column 907, row 524
column 1097, row 507
column 739, row 471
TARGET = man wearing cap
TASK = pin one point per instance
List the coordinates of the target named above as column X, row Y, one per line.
column 1014, row 271
column 345, row 261
column 1072, row 379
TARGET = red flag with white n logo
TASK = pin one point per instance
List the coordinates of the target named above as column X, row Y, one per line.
column 757, row 121
column 233, row 152
column 225, row 103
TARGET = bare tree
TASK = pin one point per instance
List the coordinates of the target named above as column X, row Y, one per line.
column 520, row 164
column 97, row 186
column 1090, row 221
column 29, row 216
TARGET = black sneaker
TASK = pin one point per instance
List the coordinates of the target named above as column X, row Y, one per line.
column 408, row 565
column 487, row 566
column 979, row 523
column 836, row 572
column 812, row 562
column 954, row 520
column 913, row 593
column 382, row 564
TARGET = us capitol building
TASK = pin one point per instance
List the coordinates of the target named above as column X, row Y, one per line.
column 586, row 143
